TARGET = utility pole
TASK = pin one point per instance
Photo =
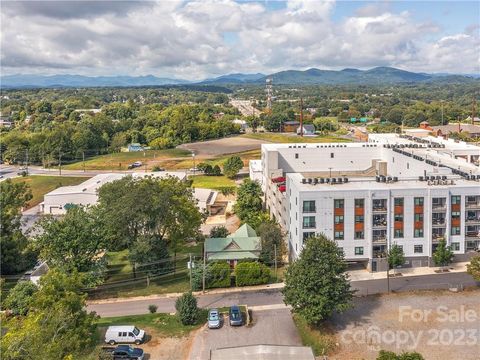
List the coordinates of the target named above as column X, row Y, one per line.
column 83, row 157
column 275, row 260
column 442, row 112
column 191, row 265
column 26, row 161
column 301, row 117
column 59, row 162
column 204, row 266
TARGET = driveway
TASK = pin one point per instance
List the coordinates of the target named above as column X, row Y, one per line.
column 269, row 327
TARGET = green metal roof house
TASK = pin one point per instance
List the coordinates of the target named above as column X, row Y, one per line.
column 242, row 244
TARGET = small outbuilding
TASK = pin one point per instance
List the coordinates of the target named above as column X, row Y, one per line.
column 308, row 130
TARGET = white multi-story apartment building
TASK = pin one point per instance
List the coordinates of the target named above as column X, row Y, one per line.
column 367, row 196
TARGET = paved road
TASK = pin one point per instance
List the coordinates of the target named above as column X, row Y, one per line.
column 271, row 297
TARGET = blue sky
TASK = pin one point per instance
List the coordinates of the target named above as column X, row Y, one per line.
column 196, row 39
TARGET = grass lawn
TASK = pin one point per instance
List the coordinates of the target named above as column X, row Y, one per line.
column 40, row 185
column 163, row 324
column 120, row 161
column 287, row 138
column 211, row 182
column 319, row 338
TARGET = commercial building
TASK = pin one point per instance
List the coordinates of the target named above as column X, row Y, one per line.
column 58, row 201
column 367, row 196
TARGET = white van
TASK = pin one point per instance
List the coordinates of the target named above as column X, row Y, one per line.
column 124, row 334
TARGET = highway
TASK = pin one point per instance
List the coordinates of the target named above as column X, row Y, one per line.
column 274, row 296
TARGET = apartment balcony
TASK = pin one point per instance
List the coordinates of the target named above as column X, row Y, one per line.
column 379, row 209
column 472, row 205
column 472, row 220
column 381, row 239
column 439, row 207
column 309, row 226
column 438, row 223
column 472, row 235
column 436, row 239
column 379, row 225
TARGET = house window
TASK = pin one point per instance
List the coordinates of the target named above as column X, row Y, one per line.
column 398, row 201
column 359, row 203
column 331, row 155
column 456, row 199
column 418, row 217
column 418, row 249
column 309, row 206
column 359, row 218
column 307, row 235
column 398, row 217
column 338, row 235
column 455, row 230
column 398, row 233
column 418, row 201
column 339, row 219
column 418, row 233
column 359, row 235
column 455, row 246
column 358, row 250
column 338, row 203
column 296, row 156
column 309, row 222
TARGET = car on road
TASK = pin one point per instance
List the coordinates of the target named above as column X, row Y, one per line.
column 214, row 320
column 124, row 352
column 235, row 316
column 124, row 334
column 135, row 165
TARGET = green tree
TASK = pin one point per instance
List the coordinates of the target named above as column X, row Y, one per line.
column 56, row 327
column 272, row 238
column 187, row 310
column 149, row 254
column 219, row 232
column 73, row 242
column 232, row 166
column 316, row 284
column 20, row 298
column 249, row 201
column 474, row 267
column 216, row 171
column 396, row 257
column 15, row 254
column 326, row 125
column 443, row 254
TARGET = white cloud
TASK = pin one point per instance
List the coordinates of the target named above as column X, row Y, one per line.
column 187, row 40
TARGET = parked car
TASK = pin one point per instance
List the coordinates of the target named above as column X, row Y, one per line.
column 135, row 165
column 214, row 321
column 124, row 334
column 123, row 352
column 235, row 316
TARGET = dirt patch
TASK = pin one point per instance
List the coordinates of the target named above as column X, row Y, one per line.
column 167, row 348
column 223, row 146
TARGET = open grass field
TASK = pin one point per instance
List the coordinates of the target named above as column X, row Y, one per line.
column 320, row 339
column 120, row 161
column 211, row 182
column 292, row 138
column 40, row 185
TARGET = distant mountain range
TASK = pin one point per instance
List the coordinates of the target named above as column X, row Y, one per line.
column 378, row 76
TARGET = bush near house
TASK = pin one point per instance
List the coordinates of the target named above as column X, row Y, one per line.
column 251, row 273
column 187, row 310
column 217, row 275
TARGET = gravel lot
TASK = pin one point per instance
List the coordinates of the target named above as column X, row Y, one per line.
column 411, row 321
column 223, row 146
column 269, row 327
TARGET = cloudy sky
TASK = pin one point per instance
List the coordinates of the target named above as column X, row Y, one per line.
column 203, row 38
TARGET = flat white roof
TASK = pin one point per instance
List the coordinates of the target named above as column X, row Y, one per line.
column 255, row 165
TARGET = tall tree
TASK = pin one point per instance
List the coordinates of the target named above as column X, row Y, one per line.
column 232, row 166
column 396, row 257
column 15, row 255
column 72, row 242
column 273, row 241
column 150, row 256
column 249, row 201
column 316, row 284
column 57, row 325
column 443, row 255
column 219, row 232
column 474, row 267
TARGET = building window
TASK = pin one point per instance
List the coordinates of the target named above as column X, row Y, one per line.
column 338, row 219
column 455, row 246
column 309, row 222
column 331, row 155
column 307, row 235
column 408, row 166
column 455, row 214
column 398, row 217
column 398, row 233
column 296, row 156
column 398, row 201
column 456, row 199
column 358, row 250
column 338, row 203
column 418, row 249
column 418, row 201
column 359, row 203
column 359, row 235
column 455, row 230
column 418, row 217
column 359, row 218
column 338, row 235
column 418, row 233
column 309, row 206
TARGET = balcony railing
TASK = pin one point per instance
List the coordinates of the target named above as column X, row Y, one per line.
column 473, row 234
column 438, row 222
column 472, row 205
column 439, row 207
column 307, row 210
column 472, row 220
column 309, row 226
column 379, row 238
column 379, row 208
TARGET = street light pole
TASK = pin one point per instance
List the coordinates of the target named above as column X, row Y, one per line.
column 330, row 171
column 193, row 156
column 204, row 265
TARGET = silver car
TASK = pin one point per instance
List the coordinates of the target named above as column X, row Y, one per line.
column 214, row 320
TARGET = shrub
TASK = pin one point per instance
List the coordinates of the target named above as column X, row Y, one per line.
column 389, row 355
column 217, row 275
column 20, row 297
column 219, row 232
column 187, row 310
column 216, row 171
column 228, row 190
column 251, row 273
column 152, row 308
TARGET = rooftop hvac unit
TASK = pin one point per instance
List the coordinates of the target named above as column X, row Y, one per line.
column 383, row 179
column 420, row 178
column 444, row 177
column 429, row 182
column 395, row 178
column 377, row 178
column 315, row 181
column 340, row 180
column 478, row 177
column 333, row 181
column 438, row 177
column 310, row 180
column 345, row 180
column 389, row 178
column 451, row 182
column 304, row 181
column 322, row 180
column 327, row 180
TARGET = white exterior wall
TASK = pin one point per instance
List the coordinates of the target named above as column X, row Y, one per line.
column 55, row 203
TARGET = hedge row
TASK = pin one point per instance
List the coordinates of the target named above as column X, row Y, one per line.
column 251, row 273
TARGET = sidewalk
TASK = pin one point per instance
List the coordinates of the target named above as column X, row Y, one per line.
column 362, row 275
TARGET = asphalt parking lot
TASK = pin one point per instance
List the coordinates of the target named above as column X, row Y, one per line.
column 268, row 327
